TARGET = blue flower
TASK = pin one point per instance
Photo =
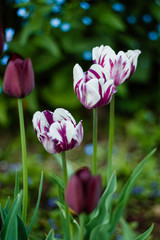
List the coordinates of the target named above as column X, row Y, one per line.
column 4, row 60
column 147, row 18
column 51, row 202
column 131, row 19
column 84, row 5
column 22, row 12
column 88, row 149
column 5, row 47
column 137, row 190
column 9, row 33
column 65, row 27
column 55, row 22
column 153, row 36
column 56, row 8
column 87, row 20
column 87, row 55
column 118, row 7
column 60, row 1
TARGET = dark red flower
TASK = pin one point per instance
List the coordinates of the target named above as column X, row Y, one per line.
column 19, row 77
column 83, row 191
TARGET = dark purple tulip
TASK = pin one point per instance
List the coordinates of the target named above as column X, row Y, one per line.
column 83, row 191
column 1, row 42
column 19, row 77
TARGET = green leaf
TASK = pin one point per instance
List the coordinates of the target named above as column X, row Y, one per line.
column 37, row 205
column 98, row 223
column 50, row 235
column 16, row 189
column 127, row 231
column 7, row 205
column 124, row 195
column 58, row 181
column 101, row 214
column 146, row 234
column 10, row 227
column 22, row 234
column 3, row 214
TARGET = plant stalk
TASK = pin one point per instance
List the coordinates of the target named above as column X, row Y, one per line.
column 95, row 133
column 81, row 221
column 24, row 160
column 67, row 235
column 111, row 138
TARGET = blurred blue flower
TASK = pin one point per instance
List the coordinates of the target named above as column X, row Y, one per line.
column 5, row 47
column 30, row 181
column 56, row 8
column 153, row 36
column 58, row 236
column 0, row 89
column 15, row 167
column 87, row 20
column 138, row 190
column 55, row 22
column 131, row 19
column 9, row 33
column 158, row 27
column 22, row 12
column 21, row 1
column 84, row 5
column 4, row 60
column 51, row 202
column 87, row 55
column 49, row 1
column 154, row 185
column 88, row 149
column 60, row 1
column 118, row 7
column 147, row 18
column 52, row 224
column 119, row 237
column 65, row 27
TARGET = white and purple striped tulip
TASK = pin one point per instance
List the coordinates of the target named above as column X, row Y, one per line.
column 57, row 130
column 119, row 66
column 93, row 88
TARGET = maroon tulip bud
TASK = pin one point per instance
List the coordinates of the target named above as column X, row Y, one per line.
column 1, row 42
column 19, row 77
column 83, row 191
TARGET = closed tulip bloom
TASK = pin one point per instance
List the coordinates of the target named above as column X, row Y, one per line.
column 57, row 130
column 83, row 191
column 119, row 66
column 94, row 88
column 19, row 77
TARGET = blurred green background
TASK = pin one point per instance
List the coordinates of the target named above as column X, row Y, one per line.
column 57, row 34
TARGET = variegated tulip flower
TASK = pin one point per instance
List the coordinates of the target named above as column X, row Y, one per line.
column 57, row 130
column 93, row 88
column 119, row 66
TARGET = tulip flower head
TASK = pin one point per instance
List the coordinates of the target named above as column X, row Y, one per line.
column 57, row 130
column 19, row 77
column 119, row 66
column 83, row 191
column 94, row 88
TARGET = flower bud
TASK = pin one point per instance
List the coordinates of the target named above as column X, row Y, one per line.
column 83, row 191
column 19, row 77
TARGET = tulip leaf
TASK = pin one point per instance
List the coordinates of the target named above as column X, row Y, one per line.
column 58, row 181
column 124, row 195
column 7, row 205
column 3, row 214
column 22, row 234
column 9, row 229
column 146, row 234
column 127, row 231
column 16, row 189
column 102, row 215
column 37, row 205
column 50, row 235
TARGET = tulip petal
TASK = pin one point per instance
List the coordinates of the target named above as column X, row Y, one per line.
column 74, row 195
column 28, row 75
column 62, row 114
column 78, row 74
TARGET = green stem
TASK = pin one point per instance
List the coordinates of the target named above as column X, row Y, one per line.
column 24, row 160
column 67, row 234
column 81, row 221
column 111, row 138
column 95, row 132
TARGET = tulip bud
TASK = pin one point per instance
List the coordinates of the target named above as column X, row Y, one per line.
column 19, row 77
column 83, row 191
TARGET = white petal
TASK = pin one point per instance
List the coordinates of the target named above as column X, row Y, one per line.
column 78, row 133
column 70, row 130
column 62, row 114
column 77, row 74
column 55, row 131
column 133, row 56
column 92, row 93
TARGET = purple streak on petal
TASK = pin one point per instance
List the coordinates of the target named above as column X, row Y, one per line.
column 104, row 77
column 95, row 73
column 49, row 116
column 94, row 61
column 124, row 64
column 102, row 61
column 132, row 69
column 39, row 125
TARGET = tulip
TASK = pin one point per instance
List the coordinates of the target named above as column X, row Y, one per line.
column 19, row 77
column 119, row 66
column 57, row 130
column 93, row 88
column 83, row 191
